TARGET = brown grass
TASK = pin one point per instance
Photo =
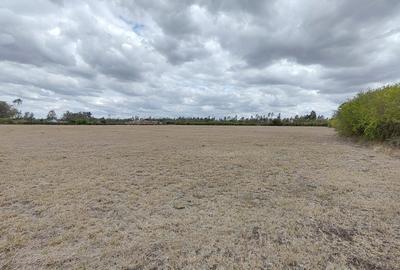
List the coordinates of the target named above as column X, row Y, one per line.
column 170, row 197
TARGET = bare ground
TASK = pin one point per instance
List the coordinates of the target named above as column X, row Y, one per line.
column 170, row 197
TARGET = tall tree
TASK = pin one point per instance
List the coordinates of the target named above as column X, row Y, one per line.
column 7, row 111
column 17, row 101
column 313, row 115
column 52, row 115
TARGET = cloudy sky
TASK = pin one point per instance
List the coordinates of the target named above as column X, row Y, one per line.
column 195, row 57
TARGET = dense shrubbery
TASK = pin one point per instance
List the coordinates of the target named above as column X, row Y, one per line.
column 374, row 115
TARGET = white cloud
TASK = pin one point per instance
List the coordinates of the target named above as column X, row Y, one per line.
column 195, row 57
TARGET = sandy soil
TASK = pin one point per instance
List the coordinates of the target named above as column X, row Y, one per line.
column 171, row 197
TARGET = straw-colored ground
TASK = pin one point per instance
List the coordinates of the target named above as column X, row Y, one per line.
column 170, row 197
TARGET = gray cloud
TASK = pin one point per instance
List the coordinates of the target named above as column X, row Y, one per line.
column 195, row 57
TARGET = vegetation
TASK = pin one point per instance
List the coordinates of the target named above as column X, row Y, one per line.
column 51, row 116
column 80, row 118
column 10, row 115
column 259, row 120
column 7, row 111
column 373, row 115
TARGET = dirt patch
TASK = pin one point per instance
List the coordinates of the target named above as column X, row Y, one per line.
column 177, row 197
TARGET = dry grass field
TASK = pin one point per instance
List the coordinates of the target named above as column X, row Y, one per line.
column 186, row 197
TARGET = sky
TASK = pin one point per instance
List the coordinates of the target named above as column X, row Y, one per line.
column 120, row 58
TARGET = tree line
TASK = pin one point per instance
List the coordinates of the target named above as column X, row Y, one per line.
column 10, row 114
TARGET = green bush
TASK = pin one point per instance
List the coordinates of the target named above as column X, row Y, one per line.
column 374, row 115
column 6, row 121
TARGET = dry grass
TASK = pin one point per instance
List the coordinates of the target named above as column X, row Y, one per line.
column 169, row 197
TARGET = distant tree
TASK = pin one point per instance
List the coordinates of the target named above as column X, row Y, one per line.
column 277, row 121
column 17, row 101
column 7, row 111
column 29, row 116
column 4, row 109
column 78, row 118
column 51, row 115
column 312, row 115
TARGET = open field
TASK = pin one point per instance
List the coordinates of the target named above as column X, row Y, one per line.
column 184, row 197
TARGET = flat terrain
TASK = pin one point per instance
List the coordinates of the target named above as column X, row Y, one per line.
column 184, row 197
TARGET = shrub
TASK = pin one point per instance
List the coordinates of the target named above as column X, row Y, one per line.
column 374, row 115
